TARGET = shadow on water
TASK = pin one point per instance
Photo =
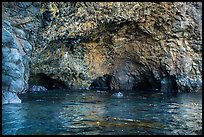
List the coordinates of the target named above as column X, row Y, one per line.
column 97, row 112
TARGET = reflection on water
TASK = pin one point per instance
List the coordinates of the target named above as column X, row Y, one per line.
column 91, row 112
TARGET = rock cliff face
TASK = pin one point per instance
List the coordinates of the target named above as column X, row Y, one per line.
column 15, row 62
column 135, row 44
column 16, row 53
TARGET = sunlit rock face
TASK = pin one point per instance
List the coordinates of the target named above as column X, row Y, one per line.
column 137, row 44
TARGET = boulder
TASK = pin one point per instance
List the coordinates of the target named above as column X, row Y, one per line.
column 117, row 95
column 36, row 88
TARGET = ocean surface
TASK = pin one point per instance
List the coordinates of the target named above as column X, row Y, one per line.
column 63, row 112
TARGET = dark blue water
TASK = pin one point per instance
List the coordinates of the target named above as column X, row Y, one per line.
column 97, row 113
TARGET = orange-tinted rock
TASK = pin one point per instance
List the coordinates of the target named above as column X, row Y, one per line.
column 92, row 39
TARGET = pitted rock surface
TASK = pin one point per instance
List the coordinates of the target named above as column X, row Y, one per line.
column 77, row 42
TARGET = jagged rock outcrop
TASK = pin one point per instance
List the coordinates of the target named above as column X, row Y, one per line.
column 92, row 39
column 18, row 34
column 16, row 52
column 9, row 97
column 77, row 42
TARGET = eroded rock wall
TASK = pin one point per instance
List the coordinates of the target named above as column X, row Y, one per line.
column 77, row 42
column 16, row 52
column 91, row 40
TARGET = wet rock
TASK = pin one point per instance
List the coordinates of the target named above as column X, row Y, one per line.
column 9, row 97
column 117, row 95
column 6, row 36
column 36, row 88
column 14, row 63
column 11, row 55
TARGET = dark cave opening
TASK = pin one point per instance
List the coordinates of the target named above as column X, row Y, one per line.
column 146, row 85
column 44, row 80
column 101, row 83
column 143, row 85
column 168, row 84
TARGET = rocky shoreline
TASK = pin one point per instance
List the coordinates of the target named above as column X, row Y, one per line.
column 101, row 45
